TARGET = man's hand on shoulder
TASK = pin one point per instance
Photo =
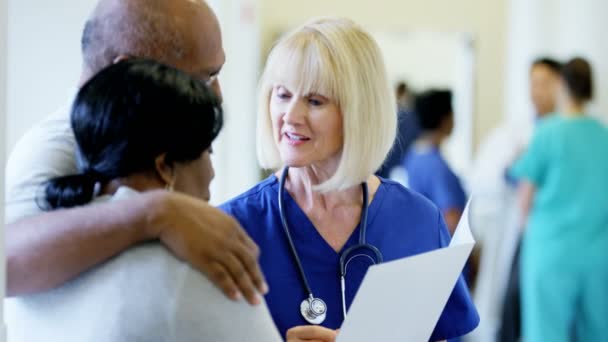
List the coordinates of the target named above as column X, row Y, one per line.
column 209, row 240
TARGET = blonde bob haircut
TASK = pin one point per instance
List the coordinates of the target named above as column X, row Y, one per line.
column 336, row 58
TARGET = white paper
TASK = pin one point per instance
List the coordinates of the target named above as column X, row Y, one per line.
column 402, row 300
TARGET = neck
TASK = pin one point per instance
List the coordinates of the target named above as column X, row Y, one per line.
column 574, row 108
column 431, row 138
column 138, row 183
column 300, row 184
column 542, row 114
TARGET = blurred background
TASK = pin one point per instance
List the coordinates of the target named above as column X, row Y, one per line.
column 481, row 50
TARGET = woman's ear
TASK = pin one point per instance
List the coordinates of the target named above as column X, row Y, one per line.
column 164, row 170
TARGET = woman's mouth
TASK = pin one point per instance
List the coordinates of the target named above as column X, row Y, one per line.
column 295, row 139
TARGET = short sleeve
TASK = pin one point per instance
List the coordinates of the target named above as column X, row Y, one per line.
column 44, row 152
column 459, row 316
column 532, row 165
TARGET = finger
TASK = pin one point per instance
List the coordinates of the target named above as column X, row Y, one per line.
column 252, row 267
column 292, row 335
column 220, row 276
column 241, row 278
column 312, row 332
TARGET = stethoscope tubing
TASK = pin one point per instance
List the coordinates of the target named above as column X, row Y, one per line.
column 294, row 251
column 362, row 244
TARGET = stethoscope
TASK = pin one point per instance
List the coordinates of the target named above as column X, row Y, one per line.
column 314, row 310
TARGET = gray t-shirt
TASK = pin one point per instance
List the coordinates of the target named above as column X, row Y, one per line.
column 142, row 294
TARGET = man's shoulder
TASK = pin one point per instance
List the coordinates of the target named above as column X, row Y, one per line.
column 45, row 151
column 45, row 135
column 53, row 128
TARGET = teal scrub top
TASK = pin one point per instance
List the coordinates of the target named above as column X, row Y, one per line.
column 567, row 161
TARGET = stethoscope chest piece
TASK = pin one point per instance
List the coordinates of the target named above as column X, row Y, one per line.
column 314, row 310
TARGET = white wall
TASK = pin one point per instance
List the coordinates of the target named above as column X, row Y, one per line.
column 234, row 157
column 559, row 28
column 3, row 38
column 44, row 58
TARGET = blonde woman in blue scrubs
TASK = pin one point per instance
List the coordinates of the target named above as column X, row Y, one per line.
column 326, row 122
column 564, row 190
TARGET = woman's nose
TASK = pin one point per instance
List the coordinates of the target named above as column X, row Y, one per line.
column 295, row 112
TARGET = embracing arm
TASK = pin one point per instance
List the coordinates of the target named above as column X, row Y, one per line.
column 48, row 249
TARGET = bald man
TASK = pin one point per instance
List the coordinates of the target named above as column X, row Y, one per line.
column 46, row 249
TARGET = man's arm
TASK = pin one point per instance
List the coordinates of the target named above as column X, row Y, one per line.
column 48, row 249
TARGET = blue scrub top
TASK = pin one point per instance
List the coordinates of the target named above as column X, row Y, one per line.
column 429, row 174
column 400, row 223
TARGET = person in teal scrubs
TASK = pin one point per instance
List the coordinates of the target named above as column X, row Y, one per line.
column 564, row 193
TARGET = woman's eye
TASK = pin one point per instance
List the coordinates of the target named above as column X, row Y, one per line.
column 282, row 93
column 315, row 102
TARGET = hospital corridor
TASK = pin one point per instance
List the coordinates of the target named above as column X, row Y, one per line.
column 265, row 170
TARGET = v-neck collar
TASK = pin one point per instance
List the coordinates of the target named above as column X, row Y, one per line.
column 306, row 231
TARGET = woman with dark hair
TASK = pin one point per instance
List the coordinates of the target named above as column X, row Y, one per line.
column 139, row 126
column 142, row 125
column 564, row 182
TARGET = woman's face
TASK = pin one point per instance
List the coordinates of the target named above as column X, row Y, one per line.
column 193, row 178
column 307, row 128
column 544, row 84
